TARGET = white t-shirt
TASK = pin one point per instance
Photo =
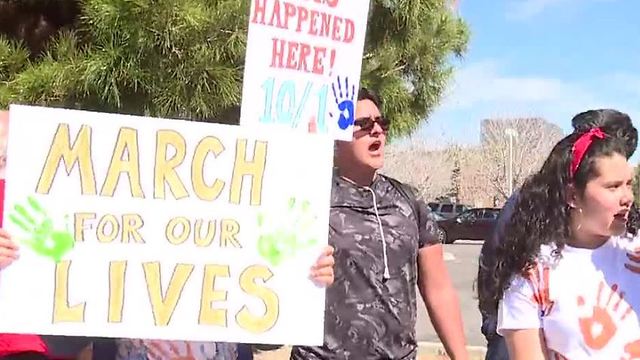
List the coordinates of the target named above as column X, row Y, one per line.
column 586, row 302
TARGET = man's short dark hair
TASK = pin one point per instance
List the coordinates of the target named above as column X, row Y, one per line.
column 366, row 94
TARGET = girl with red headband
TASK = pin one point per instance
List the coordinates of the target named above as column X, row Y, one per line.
column 567, row 274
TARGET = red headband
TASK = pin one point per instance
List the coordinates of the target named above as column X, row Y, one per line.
column 581, row 146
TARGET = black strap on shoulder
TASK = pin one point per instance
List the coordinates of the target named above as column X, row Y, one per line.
column 407, row 193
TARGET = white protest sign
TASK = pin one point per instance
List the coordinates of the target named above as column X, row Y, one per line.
column 303, row 62
column 163, row 229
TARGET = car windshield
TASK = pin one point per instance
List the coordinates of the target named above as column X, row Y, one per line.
column 436, row 217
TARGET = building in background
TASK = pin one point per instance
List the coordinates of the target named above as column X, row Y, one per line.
column 484, row 175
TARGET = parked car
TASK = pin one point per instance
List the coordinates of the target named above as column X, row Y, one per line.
column 448, row 210
column 473, row 224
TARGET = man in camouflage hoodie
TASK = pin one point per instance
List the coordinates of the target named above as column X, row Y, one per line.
column 385, row 243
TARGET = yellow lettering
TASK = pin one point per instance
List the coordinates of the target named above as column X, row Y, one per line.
column 131, row 223
column 205, row 192
column 208, row 238
column 228, row 235
column 164, row 306
column 117, row 270
column 254, row 168
column 247, row 321
column 78, row 224
column 165, row 170
column 112, row 223
column 209, row 315
column 62, row 311
column 79, row 153
column 185, row 230
column 127, row 143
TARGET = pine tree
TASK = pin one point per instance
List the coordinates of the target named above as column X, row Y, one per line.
column 454, row 191
column 453, row 156
column 185, row 58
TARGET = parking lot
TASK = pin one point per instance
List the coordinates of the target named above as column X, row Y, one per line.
column 462, row 261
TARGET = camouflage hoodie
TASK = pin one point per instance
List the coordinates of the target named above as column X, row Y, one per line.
column 371, row 307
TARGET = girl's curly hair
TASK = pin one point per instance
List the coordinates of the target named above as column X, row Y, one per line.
column 541, row 214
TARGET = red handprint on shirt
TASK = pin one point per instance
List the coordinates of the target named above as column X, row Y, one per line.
column 541, row 289
column 600, row 327
column 634, row 261
column 632, row 351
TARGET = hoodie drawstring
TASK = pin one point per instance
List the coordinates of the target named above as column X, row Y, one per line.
column 386, row 275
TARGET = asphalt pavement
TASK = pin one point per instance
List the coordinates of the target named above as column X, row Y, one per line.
column 462, row 262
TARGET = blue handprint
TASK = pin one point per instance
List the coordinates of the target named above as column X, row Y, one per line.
column 344, row 102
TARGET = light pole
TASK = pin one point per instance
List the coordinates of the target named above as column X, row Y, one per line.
column 511, row 133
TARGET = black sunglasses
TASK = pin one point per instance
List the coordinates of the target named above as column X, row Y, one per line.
column 367, row 123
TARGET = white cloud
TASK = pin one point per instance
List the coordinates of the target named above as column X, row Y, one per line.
column 482, row 83
column 626, row 82
column 485, row 89
column 527, row 9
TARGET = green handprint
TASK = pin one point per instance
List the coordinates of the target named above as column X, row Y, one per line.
column 40, row 234
column 284, row 240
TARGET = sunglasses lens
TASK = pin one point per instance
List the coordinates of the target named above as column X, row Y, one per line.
column 364, row 123
column 384, row 123
column 367, row 124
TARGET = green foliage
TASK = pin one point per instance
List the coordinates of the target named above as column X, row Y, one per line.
column 185, row 58
column 407, row 56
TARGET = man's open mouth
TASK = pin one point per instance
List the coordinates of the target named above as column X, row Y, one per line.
column 375, row 146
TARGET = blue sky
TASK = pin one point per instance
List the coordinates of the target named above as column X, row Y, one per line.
column 548, row 58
